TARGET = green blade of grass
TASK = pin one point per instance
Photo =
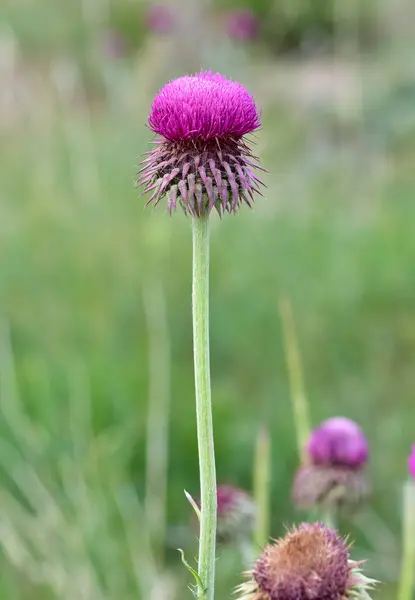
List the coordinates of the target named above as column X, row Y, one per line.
column 262, row 472
column 298, row 395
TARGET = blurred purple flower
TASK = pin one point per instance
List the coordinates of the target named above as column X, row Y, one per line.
column 236, row 513
column 316, row 485
column 411, row 462
column 112, row 45
column 159, row 18
column 242, row 25
column 201, row 159
column 338, row 442
column 333, row 474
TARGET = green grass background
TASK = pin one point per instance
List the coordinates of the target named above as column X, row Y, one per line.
column 334, row 233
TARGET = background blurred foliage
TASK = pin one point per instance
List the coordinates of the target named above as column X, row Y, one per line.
column 78, row 252
column 287, row 25
column 302, row 25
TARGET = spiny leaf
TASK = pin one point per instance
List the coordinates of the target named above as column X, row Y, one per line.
column 199, row 591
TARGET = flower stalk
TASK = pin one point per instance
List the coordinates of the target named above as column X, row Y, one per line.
column 201, row 160
column 328, row 516
column 200, row 309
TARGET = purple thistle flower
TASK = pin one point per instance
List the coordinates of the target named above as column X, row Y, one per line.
column 333, row 475
column 201, row 158
column 242, row 25
column 411, row 462
column 338, row 442
column 203, row 107
column 159, row 18
column 311, row 562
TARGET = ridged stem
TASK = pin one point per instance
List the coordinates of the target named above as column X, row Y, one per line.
column 407, row 579
column 207, row 470
column 329, row 517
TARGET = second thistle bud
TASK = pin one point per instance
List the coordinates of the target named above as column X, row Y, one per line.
column 236, row 514
column 333, row 474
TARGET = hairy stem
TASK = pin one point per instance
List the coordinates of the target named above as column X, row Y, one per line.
column 200, row 308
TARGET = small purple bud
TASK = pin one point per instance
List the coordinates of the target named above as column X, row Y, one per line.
column 411, row 462
column 159, row 18
column 113, row 45
column 236, row 514
column 338, row 442
column 311, row 562
column 201, row 158
column 242, row 25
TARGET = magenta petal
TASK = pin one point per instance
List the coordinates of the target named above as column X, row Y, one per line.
column 203, row 106
column 338, row 441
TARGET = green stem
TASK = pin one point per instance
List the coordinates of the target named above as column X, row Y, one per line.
column 200, row 307
column 407, row 579
column 247, row 552
column 328, row 517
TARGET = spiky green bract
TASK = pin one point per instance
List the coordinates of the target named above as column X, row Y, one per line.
column 329, row 487
column 201, row 175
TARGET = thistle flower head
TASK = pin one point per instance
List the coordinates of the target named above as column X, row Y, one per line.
column 203, row 107
column 242, row 25
column 201, row 158
column 338, row 442
column 411, row 462
column 310, row 563
column 333, row 475
column 159, row 18
column 236, row 513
